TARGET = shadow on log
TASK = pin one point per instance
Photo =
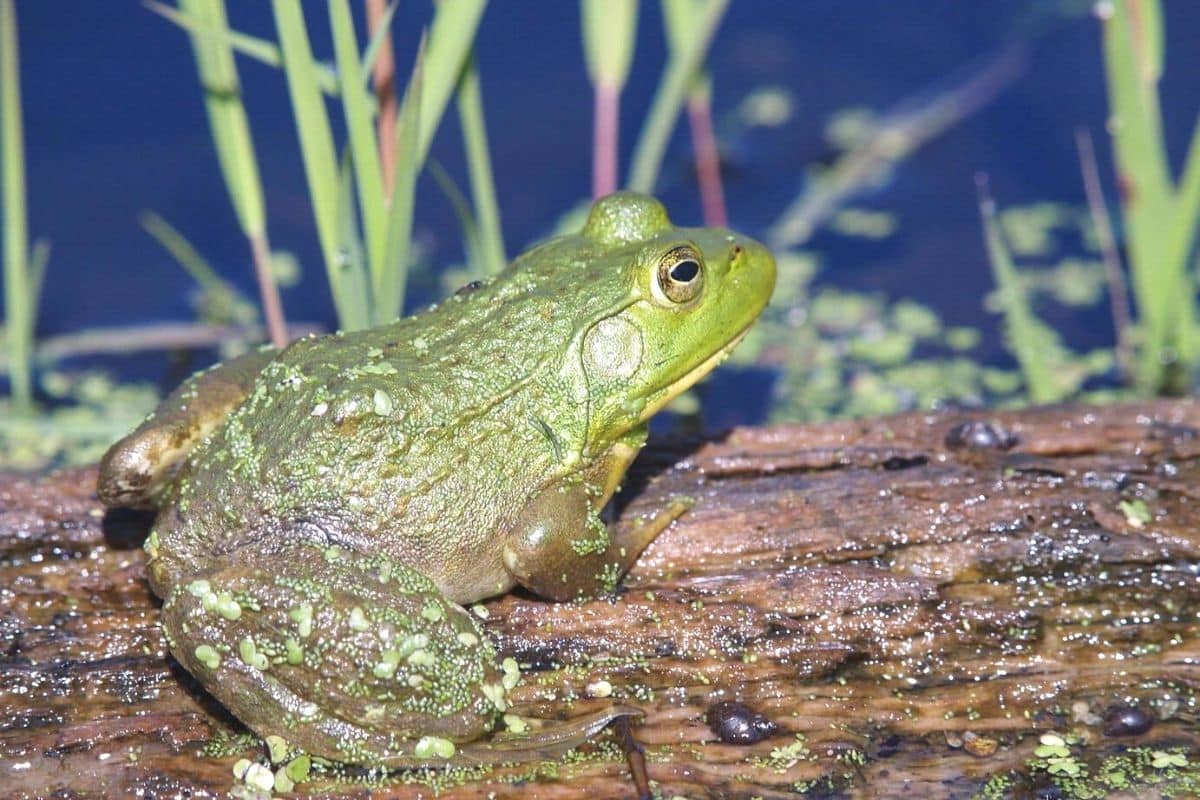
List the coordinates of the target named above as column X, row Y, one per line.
column 907, row 607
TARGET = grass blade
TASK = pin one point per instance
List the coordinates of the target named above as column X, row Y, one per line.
column 235, row 149
column 682, row 67
column 349, row 241
column 609, row 34
column 381, row 64
column 364, row 151
column 450, row 39
column 1136, row 123
column 18, row 310
column 175, row 243
column 479, row 164
column 389, row 295
column 261, row 50
column 378, row 39
column 1118, row 294
column 1182, row 247
column 39, row 259
column 317, row 151
column 679, row 18
column 1030, row 341
column 466, row 220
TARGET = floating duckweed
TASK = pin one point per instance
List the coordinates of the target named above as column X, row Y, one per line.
column 239, row 768
column 277, row 748
column 199, row 588
column 434, row 746
column 1052, row 746
column 377, row 369
column 259, row 777
column 433, row 612
column 283, row 783
column 515, row 724
column 411, row 644
column 358, row 620
column 208, row 656
column 319, row 409
column 387, row 667
column 295, row 654
column 468, row 639
column 227, row 607
column 422, row 658
column 1136, row 512
column 383, row 403
column 297, row 769
column 599, row 688
column 480, row 611
column 416, row 681
column 494, row 692
column 302, row 616
column 512, row 672
column 250, row 655
column 1161, row 759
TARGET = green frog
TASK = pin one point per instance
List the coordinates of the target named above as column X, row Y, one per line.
column 325, row 511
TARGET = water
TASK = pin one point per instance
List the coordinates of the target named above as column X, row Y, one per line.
column 115, row 125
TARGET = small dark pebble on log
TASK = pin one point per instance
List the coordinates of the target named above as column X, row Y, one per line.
column 1127, row 721
column 738, row 723
column 979, row 435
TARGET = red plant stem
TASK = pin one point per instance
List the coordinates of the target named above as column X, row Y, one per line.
column 383, row 77
column 604, row 143
column 272, row 305
column 708, row 160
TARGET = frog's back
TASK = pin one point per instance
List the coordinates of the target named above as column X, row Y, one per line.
column 417, row 439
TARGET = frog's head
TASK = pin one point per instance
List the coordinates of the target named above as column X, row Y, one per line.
column 679, row 300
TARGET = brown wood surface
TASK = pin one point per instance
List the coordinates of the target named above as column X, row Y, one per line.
column 885, row 588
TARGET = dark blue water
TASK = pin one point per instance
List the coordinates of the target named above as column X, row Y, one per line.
column 115, row 125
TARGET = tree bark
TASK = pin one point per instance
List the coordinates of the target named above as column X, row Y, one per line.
column 909, row 603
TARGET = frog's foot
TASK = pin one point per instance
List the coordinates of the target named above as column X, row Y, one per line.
column 352, row 658
column 541, row 740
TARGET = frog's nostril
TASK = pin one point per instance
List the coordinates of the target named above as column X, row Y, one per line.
column 735, row 255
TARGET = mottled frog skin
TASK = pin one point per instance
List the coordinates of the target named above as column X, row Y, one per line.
column 325, row 510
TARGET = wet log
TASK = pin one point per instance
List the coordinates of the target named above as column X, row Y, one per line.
column 902, row 607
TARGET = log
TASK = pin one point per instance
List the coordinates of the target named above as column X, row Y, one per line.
column 903, row 607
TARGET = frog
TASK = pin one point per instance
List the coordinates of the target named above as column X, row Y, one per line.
column 328, row 512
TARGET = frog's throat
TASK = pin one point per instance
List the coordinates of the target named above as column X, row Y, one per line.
column 658, row 400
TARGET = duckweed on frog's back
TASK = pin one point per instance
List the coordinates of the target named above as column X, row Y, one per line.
column 325, row 510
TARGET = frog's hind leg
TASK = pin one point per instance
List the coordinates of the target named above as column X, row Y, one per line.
column 349, row 657
column 134, row 470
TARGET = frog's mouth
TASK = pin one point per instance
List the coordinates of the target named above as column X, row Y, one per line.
column 657, row 400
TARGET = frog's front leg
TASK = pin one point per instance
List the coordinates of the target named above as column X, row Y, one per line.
column 560, row 547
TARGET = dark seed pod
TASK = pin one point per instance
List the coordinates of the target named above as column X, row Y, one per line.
column 738, row 723
column 1127, row 721
column 979, row 435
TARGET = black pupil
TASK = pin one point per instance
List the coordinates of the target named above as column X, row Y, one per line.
column 685, row 271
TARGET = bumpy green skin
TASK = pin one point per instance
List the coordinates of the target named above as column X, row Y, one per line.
column 347, row 493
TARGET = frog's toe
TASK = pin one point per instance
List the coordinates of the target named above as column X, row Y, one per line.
column 349, row 657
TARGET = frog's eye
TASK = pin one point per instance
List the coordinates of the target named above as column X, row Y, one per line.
column 680, row 275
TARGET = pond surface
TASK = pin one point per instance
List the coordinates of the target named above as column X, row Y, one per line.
column 115, row 126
